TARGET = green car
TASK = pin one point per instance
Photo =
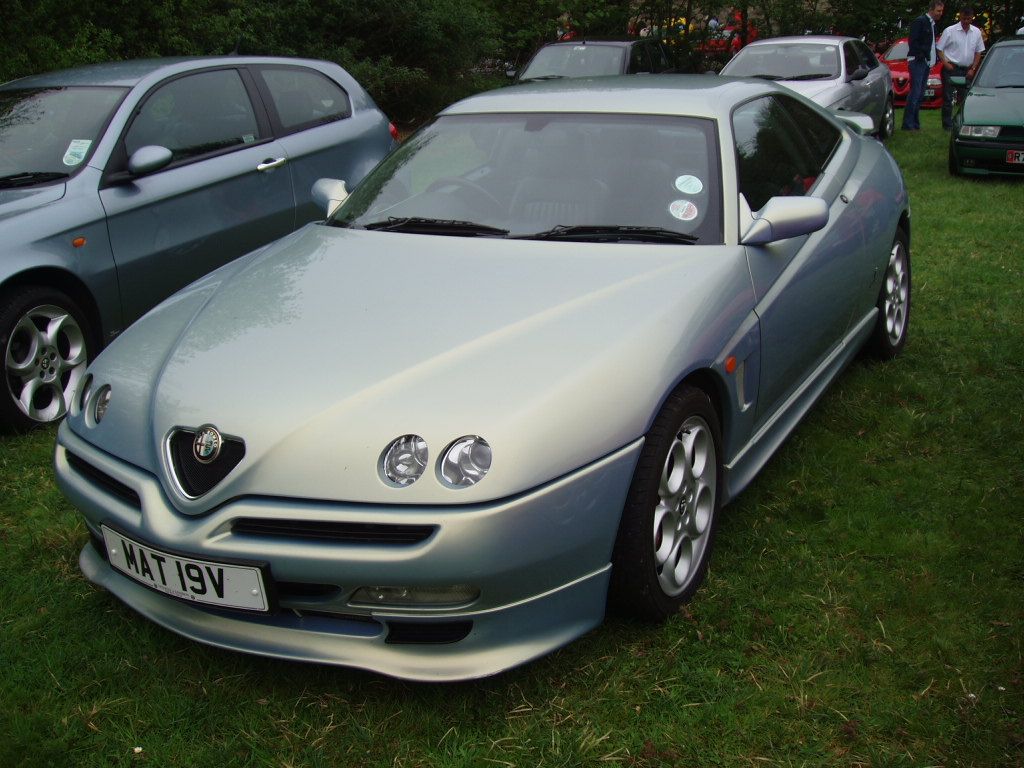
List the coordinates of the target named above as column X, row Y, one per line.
column 988, row 128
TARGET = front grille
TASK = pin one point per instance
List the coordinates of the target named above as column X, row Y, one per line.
column 104, row 481
column 334, row 531
column 427, row 632
column 194, row 477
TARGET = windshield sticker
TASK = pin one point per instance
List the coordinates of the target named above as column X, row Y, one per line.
column 684, row 210
column 248, row 138
column 77, row 150
column 689, row 185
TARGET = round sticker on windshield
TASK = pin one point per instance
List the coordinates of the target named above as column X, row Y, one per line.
column 683, row 210
column 77, row 150
column 689, row 185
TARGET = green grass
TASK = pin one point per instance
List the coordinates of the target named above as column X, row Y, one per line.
column 865, row 605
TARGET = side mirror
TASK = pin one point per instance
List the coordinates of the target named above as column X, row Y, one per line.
column 148, row 159
column 861, row 123
column 858, row 74
column 786, row 217
column 329, row 194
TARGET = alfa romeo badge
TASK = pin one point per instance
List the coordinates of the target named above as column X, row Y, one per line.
column 207, row 444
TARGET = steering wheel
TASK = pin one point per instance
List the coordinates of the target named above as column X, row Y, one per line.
column 465, row 184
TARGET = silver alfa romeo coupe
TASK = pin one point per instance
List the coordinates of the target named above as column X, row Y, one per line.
column 509, row 382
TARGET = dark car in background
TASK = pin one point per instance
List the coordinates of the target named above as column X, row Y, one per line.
column 987, row 137
column 591, row 58
column 896, row 60
column 120, row 183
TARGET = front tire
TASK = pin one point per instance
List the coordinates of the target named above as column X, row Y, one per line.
column 664, row 541
column 45, row 342
column 887, row 126
column 890, row 332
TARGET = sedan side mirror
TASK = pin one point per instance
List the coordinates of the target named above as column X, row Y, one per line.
column 858, row 74
column 148, row 159
column 786, row 217
column 329, row 194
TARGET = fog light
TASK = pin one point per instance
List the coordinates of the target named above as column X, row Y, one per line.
column 456, row 594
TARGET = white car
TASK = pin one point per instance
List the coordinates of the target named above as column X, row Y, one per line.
column 839, row 73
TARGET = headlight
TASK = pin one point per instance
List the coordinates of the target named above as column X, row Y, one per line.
column 404, row 460
column 465, row 462
column 102, row 402
column 980, row 131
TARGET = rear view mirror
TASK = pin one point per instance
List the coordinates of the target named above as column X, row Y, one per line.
column 329, row 194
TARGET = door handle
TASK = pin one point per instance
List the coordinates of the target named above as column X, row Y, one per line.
column 271, row 163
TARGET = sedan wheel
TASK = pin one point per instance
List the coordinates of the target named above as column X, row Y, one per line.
column 664, row 541
column 890, row 332
column 45, row 346
column 888, row 124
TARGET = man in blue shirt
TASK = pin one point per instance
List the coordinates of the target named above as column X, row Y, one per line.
column 921, row 57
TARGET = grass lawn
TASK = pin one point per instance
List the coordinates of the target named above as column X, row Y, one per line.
column 865, row 605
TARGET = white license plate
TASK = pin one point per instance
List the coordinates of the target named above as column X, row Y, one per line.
column 188, row 578
column 928, row 93
column 1015, row 156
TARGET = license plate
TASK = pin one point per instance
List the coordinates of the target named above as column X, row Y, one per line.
column 928, row 93
column 187, row 578
column 1015, row 156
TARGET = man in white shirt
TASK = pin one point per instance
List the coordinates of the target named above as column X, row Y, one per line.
column 960, row 49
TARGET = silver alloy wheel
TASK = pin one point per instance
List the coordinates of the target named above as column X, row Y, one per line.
column 686, row 505
column 888, row 120
column 44, row 361
column 896, row 294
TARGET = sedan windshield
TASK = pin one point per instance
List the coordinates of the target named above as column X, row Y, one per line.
column 583, row 60
column 47, row 134
column 1003, row 68
column 786, row 61
column 606, row 178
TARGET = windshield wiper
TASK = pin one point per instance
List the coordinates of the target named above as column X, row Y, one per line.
column 768, row 77
column 28, row 178
column 611, row 234
column 811, row 76
column 541, row 77
column 425, row 226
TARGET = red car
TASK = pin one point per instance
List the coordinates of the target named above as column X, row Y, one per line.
column 896, row 60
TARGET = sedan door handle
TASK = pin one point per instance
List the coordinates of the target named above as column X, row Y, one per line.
column 271, row 163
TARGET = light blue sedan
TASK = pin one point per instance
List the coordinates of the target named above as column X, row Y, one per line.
column 510, row 381
column 121, row 183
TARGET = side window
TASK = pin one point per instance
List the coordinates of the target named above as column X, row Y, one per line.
column 658, row 57
column 771, row 158
column 639, row 60
column 195, row 115
column 822, row 136
column 304, row 98
column 850, row 58
column 867, row 56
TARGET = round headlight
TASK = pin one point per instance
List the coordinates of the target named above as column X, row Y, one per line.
column 465, row 462
column 99, row 408
column 404, row 460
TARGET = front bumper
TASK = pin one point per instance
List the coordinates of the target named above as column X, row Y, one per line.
column 986, row 158
column 541, row 561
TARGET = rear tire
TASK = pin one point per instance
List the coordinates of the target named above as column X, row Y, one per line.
column 664, row 541
column 46, row 345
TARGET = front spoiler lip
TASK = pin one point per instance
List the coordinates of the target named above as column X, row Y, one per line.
column 579, row 607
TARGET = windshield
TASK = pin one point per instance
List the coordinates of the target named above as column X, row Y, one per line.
column 47, row 134
column 588, row 60
column 898, row 52
column 792, row 61
column 522, row 175
column 1003, row 68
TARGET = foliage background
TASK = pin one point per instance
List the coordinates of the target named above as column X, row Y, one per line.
column 414, row 56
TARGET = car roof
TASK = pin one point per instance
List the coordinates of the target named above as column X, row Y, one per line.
column 132, row 72
column 710, row 96
column 820, row 39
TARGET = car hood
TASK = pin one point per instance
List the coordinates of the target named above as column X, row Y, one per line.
column 824, row 92
column 321, row 350
column 994, row 106
column 15, row 201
